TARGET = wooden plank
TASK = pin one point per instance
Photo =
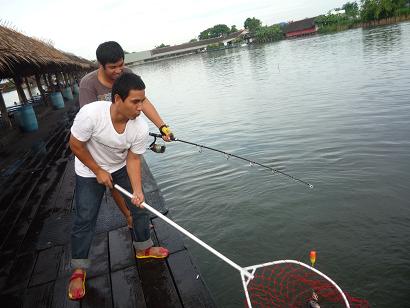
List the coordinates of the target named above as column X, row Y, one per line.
column 6, row 263
column 65, row 269
column 47, row 265
column 39, row 296
column 99, row 255
column 66, row 194
column 127, row 289
column 168, row 236
column 12, row 299
column 98, row 293
column 60, row 295
column 32, row 237
column 191, row 287
column 121, row 250
column 157, row 284
column 21, row 272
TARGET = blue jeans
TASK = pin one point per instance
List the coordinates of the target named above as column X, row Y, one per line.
column 88, row 196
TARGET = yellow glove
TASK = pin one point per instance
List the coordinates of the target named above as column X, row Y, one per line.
column 166, row 132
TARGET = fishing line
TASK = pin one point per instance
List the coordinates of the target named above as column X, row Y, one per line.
column 227, row 155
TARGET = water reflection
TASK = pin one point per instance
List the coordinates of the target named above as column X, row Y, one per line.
column 381, row 39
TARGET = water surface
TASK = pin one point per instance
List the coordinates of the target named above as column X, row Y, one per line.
column 333, row 110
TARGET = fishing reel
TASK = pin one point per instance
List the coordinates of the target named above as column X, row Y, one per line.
column 156, row 148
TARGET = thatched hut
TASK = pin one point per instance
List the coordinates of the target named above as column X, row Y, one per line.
column 22, row 56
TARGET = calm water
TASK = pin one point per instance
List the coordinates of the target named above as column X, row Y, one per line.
column 333, row 110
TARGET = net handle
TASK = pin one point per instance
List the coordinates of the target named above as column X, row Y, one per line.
column 253, row 268
column 243, row 271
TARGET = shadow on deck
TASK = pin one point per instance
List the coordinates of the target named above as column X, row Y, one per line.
column 36, row 205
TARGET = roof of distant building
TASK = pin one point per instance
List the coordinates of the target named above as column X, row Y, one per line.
column 197, row 43
column 299, row 25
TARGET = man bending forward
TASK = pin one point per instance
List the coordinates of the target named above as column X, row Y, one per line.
column 107, row 139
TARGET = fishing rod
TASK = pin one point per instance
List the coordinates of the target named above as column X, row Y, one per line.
column 161, row 149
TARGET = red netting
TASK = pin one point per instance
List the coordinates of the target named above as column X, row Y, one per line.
column 293, row 285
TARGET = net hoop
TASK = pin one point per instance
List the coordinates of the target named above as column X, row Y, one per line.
column 252, row 269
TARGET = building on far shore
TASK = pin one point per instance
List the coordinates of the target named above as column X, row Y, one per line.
column 182, row 49
column 300, row 28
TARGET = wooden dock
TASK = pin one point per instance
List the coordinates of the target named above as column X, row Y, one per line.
column 36, row 209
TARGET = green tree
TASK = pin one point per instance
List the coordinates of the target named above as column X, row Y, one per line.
column 233, row 29
column 162, row 46
column 219, row 30
column 252, row 24
column 193, row 40
column 205, row 34
column 369, row 10
column 378, row 9
column 215, row 31
column 351, row 9
column 269, row 34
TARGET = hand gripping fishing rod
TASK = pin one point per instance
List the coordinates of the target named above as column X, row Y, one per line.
column 228, row 155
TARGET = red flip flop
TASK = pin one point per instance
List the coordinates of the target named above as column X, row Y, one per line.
column 79, row 293
column 149, row 254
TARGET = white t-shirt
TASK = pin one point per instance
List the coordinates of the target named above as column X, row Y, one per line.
column 108, row 148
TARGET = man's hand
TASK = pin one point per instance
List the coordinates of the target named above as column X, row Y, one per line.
column 166, row 133
column 103, row 177
column 138, row 199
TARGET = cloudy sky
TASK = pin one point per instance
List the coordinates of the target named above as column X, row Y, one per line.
column 79, row 26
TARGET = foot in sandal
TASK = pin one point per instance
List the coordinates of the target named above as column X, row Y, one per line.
column 152, row 252
column 76, row 287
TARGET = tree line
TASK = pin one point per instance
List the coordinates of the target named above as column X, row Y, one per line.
column 354, row 13
column 368, row 10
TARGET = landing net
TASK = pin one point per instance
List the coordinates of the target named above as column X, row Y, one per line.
column 289, row 283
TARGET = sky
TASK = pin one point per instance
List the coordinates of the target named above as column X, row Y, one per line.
column 79, row 26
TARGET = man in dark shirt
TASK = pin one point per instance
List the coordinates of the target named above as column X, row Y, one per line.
column 97, row 86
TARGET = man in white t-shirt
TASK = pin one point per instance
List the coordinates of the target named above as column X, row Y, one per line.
column 107, row 139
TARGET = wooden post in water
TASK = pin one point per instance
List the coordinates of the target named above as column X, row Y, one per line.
column 40, row 88
column 64, row 79
column 20, row 91
column 46, row 81
column 50, row 82
column 4, row 113
column 58, row 82
column 28, row 88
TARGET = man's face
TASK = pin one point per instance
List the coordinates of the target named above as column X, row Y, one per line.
column 131, row 107
column 114, row 70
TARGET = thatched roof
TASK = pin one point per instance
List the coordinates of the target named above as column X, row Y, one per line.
column 23, row 56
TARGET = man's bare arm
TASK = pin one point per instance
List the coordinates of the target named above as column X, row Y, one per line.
column 134, row 174
column 80, row 150
column 152, row 114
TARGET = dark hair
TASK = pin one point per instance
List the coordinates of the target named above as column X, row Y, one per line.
column 126, row 82
column 109, row 52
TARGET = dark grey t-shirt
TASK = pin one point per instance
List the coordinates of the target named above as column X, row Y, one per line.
column 91, row 89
